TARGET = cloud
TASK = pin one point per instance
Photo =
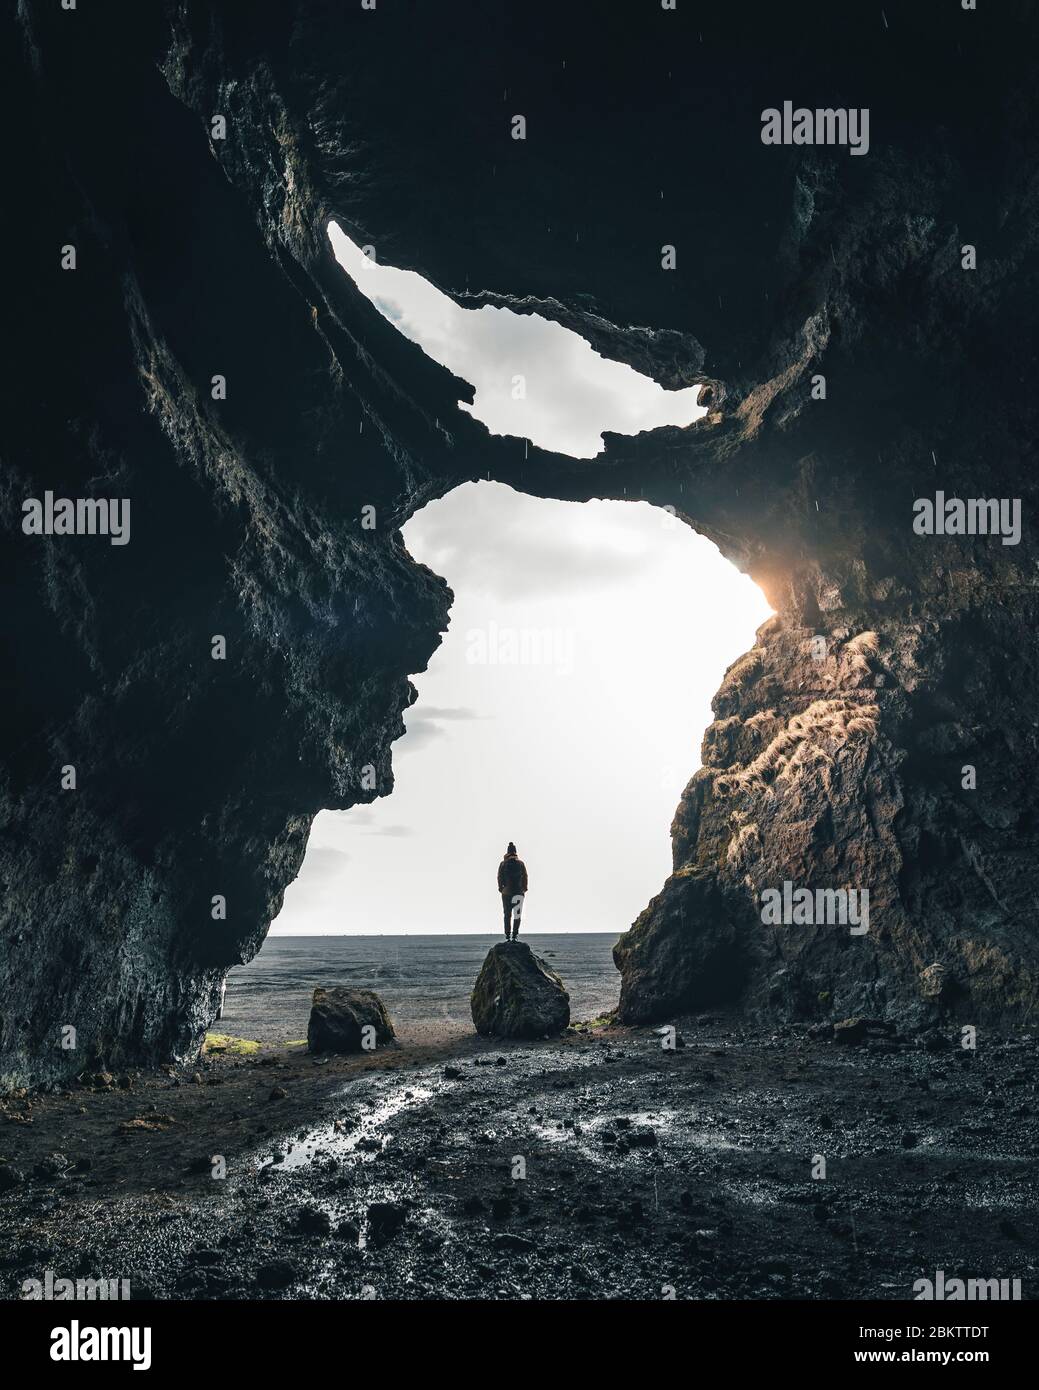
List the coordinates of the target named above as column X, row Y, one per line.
column 389, row 309
column 486, row 538
column 324, row 862
column 394, row 832
column 450, row 712
column 421, row 733
column 424, row 724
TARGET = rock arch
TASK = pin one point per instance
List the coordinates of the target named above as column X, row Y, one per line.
column 198, row 257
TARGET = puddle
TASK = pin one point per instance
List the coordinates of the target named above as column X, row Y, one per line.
column 586, row 1136
column 365, row 1140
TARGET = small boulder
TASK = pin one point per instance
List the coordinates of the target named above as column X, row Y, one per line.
column 511, row 1242
column 852, row 1031
column 642, row 1137
column 277, row 1274
column 384, row 1221
column 52, row 1166
column 935, row 983
column 516, row 995
column 10, row 1177
column 313, row 1221
column 339, row 1016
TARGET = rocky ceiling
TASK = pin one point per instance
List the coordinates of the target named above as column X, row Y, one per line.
column 200, row 253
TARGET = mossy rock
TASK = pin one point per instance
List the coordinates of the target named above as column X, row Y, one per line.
column 517, row 995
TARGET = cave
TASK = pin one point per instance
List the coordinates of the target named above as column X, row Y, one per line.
column 862, row 330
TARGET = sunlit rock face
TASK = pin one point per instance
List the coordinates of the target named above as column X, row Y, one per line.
column 845, row 774
column 201, row 255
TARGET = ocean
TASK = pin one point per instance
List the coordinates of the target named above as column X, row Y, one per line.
column 424, row 981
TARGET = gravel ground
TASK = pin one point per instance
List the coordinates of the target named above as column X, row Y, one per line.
column 597, row 1165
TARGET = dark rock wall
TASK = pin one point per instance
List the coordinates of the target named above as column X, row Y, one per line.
column 199, row 256
column 194, row 777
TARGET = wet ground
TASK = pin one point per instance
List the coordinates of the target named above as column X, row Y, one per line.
column 599, row 1165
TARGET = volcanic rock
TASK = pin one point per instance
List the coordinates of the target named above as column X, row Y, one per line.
column 276, row 1274
column 313, row 1221
column 10, row 1177
column 517, row 995
column 340, row 1016
column 854, row 1030
column 384, row 1221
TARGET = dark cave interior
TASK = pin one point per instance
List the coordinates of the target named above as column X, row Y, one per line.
column 199, row 256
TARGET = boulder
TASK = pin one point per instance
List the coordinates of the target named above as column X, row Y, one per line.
column 516, row 995
column 851, row 1031
column 935, row 982
column 338, row 1016
column 384, row 1221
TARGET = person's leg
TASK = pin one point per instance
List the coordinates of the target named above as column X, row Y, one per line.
column 506, row 903
column 517, row 913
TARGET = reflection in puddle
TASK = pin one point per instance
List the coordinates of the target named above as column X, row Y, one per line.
column 334, row 1140
column 589, row 1136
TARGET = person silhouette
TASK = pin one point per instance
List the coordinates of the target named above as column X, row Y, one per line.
column 512, row 885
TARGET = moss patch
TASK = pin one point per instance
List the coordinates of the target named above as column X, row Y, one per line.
column 223, row 1042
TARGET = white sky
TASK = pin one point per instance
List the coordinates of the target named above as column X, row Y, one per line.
column 571, row 393
column 565, row 708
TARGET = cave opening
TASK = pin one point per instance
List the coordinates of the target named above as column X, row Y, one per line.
column 532, row 378
column 564, row 711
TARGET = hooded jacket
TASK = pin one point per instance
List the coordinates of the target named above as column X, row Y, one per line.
column 512, row 875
